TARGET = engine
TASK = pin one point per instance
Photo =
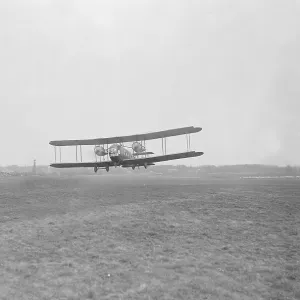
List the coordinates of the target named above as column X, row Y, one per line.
column 100, row 151
column 138, row 147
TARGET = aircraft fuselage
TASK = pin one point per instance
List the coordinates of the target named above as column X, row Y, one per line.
column 117, row 153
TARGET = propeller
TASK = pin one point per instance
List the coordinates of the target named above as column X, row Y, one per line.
column 92, row 156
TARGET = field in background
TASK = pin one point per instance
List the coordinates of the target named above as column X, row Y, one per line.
column 110, row 237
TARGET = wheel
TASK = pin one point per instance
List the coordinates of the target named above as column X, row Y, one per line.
column 133, row 167
column 95, row 169
column 107, row 168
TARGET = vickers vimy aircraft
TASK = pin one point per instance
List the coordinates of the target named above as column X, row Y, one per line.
column 113, row 153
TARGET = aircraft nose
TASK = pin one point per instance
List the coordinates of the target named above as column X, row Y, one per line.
column 113, row 149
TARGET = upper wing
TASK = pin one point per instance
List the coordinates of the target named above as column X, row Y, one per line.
column 128, row 138
column 160, row 158
column 102, row 164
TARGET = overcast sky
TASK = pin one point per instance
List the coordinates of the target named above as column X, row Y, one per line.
column 86, row 69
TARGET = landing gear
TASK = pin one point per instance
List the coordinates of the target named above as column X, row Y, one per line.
column 145, row 165
column 133, row 167
column 95, row 169
column 107, row 168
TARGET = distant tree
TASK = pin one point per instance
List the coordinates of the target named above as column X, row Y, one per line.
column 289, row 170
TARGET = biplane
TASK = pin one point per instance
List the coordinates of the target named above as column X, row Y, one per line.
column 112, row 152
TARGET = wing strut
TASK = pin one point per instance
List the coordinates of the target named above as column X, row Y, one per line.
column 164, row 145
column 188, row 142
column 55, row 153
column 107, row 152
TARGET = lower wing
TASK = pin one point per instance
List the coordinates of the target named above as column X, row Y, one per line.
column 100, row 165
column 160, row 158
column 129, row 162
column 142, row 153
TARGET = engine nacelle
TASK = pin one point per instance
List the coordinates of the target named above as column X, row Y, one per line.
column 138, row 147
column 100, row 151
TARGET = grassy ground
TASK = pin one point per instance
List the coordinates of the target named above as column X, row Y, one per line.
column 105, row 237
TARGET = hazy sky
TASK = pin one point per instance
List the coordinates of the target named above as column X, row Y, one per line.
column 86, row 69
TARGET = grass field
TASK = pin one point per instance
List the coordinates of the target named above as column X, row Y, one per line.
column 106, row 237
